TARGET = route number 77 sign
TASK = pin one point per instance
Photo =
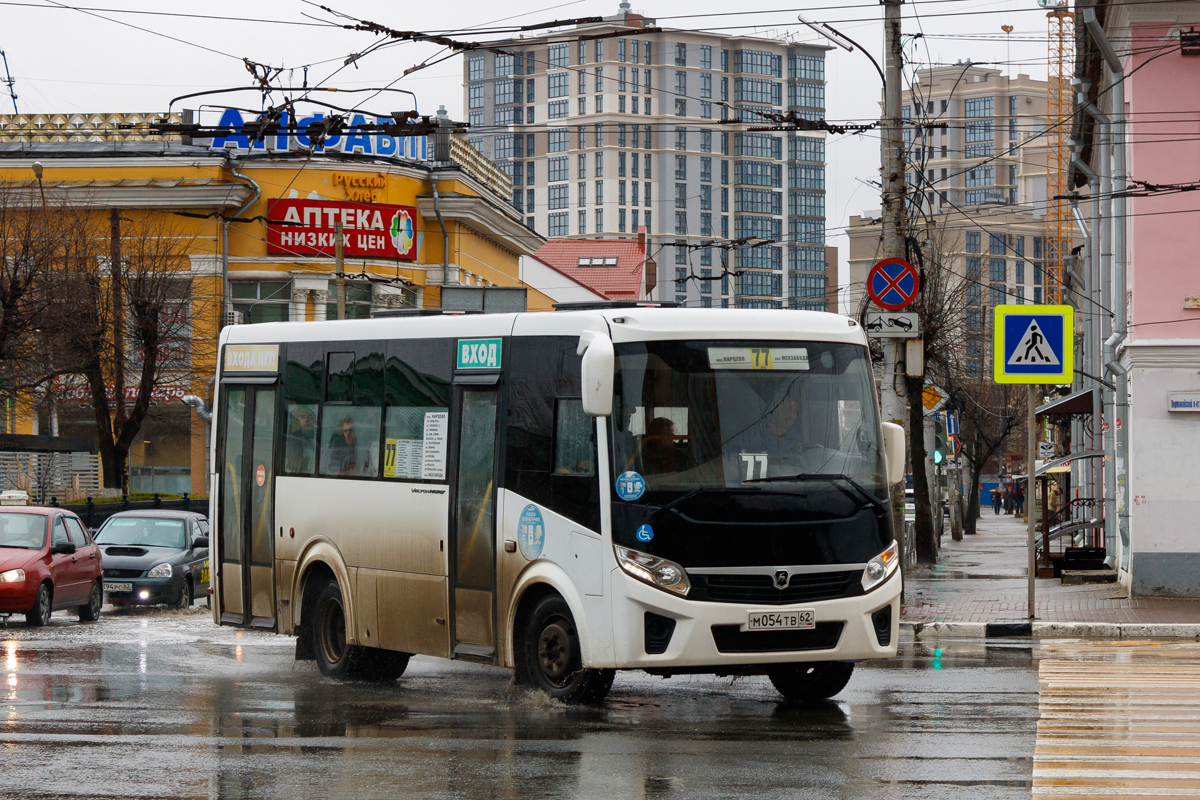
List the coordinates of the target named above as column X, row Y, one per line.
column 1033, row 344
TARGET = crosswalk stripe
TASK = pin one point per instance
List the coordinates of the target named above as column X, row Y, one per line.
column 1118, row 720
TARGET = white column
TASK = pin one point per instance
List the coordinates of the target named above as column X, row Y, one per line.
column 296, row 308
column 320, row 298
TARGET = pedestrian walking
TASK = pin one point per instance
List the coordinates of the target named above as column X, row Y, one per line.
column 1020, row 499
column 996, row 500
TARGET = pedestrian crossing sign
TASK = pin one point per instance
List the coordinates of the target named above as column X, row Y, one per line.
column 1034, row 344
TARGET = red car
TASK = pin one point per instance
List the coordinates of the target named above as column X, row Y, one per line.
column 48, row 562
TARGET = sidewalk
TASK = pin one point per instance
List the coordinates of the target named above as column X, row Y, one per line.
column 981, row 582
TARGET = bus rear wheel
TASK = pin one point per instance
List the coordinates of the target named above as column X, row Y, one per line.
column 549, row 656
column 337, row 659
column 812, row 682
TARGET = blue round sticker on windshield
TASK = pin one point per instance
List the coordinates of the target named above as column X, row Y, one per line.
column 630, row 486
column 644, row 533
column 531, row 532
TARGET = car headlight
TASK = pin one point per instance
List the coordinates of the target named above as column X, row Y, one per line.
column 161, row 571
column 12, row 576
column 881, row 567
column 653, row 570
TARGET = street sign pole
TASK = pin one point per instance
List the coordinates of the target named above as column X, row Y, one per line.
column 1031, row 462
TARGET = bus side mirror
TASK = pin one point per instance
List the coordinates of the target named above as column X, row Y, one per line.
column 599, row 361
column 893, row 451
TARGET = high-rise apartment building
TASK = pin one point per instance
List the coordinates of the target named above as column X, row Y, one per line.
column 604, row 134
column 976, row 188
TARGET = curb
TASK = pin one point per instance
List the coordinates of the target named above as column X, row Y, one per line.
column 1052, row 630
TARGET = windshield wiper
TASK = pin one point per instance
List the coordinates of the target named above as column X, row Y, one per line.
column 867, row 497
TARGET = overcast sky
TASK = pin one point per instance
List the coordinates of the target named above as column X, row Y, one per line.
column 67, row 60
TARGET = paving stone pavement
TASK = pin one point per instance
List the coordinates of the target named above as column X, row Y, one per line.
column 982, row 579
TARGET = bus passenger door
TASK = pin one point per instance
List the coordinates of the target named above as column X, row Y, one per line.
column 247, row 549
column 473, row 523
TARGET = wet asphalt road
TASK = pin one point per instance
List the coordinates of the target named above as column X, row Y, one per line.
column 165, row 704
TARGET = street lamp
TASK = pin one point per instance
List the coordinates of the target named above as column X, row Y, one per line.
column 37, row 173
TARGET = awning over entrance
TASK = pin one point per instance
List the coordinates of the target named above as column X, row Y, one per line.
column 1080, row 402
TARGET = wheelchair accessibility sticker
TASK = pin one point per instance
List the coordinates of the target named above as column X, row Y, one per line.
column 645, row 533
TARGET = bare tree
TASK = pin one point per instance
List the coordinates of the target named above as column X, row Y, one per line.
column 32, row 274
column 125, row 325
column 989, row 415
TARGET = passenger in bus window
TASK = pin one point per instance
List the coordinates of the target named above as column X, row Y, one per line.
column 301, row 440
column 343, row 449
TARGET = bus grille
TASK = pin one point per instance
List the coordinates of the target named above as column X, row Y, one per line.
column 731, row 639
column 761, row 588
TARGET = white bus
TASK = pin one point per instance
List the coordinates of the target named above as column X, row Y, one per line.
column 565, row 493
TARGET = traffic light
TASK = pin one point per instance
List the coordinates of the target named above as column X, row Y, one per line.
column 941, row 439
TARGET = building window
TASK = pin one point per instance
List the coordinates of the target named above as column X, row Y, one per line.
column 680, row 258
column 621, row 193
column 582, row 217
column 807, row 204
column 599, row 165
column 621, row 165
column 681, row 195
column 646, row 188
column 599, row 212
column 599, row 104
column 706, row 228
column 758, row 173
column 758, row 201
column 621, row 135
column 996, row 244
column 681, row 138
column 558, row 109
column 634, row 224
column 599, row 78
column 475, row 119
column 620, row 220
column 558, row 55
column 582, row 166
column 1019, row 271
column 757, row 145
column 558, row 224
column 559, row 140
column 724, row 200
column 757, row 90
column 558, row 84
column 266, row 301
column 979, row 107
column 758, row 62
column 475, row 68
column 997, row 270
column 681, row 168
column 706, row 169
column 680, row 54
column 681, row 223
column 582, row 198
column 475, row 95
column 621, row 50
column 705, row 197
column 599, row 193
column 806, row 67
column 620, row 79
column 973, row 269
column 558, row 169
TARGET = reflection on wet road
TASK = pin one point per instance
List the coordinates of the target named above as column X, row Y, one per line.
column 158, row 704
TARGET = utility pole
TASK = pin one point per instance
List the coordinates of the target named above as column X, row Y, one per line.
column 339, row 268
column 118, row 321
column 892, row 179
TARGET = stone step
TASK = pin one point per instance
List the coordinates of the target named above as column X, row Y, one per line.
column 1081, row 576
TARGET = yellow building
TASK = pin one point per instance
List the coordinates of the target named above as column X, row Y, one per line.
column 259, row 224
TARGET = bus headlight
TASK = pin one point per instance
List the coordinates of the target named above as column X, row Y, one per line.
column 881, row 567
column 657, row 572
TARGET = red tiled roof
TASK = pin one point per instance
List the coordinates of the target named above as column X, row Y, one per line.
column 621, row 282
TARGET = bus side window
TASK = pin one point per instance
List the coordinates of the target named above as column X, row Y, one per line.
column 418, row 400
column 574, row 450
column 304, row 377
column 351, row 412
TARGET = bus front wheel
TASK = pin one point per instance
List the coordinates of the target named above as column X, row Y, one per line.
column 807, row 683
column 337, row 659
column 549, row 656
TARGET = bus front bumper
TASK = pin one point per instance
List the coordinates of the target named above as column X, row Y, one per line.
column 696, row 636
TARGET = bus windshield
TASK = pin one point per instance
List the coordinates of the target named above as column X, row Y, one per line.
column 720, row 415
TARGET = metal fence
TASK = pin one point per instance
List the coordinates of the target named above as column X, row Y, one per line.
column 94, row 514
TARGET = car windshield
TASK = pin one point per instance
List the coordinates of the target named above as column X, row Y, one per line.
column 22, row 531
column 142, row 532
column 701, row 415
